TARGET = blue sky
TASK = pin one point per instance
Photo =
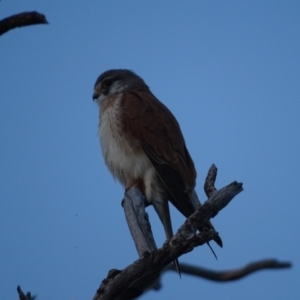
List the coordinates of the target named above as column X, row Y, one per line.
column 228, row 70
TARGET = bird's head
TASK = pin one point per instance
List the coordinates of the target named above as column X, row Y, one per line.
column 117, row 81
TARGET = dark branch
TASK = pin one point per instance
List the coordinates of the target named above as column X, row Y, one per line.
column 22, row 296
column 143, row 273
column 231, row 275
column 137, row 277
column 209, row 185
column 20, row 20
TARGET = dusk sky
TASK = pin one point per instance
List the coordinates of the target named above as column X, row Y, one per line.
column 228, row 70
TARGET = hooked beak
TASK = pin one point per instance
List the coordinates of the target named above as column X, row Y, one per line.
column 95, row 95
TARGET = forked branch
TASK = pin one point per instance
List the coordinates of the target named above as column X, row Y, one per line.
column 137, row 277
column 142, row 274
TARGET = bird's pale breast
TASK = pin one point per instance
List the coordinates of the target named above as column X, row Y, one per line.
column 122, row 153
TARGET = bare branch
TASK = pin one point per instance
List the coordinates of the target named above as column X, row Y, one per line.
column 231, row 275
column 209, row 185
column 138, row 221
column 133, row 280
column 21, row 19
column 141, row 275
column 22, row 296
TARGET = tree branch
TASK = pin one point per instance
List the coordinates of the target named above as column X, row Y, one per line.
column 133, row 280
column 20, row 20
column 138, row 221
column 231, row 275
column 209, row 185
column 22, row 296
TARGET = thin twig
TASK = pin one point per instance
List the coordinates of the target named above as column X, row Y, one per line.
column 209, row 185
column 230, row 275
column 22, row 296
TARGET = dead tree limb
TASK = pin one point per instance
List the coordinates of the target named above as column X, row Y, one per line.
column 22, row 296
column 22, row 19
column 209, row 185
column 141, row 275
column 230, row 275
column 138, row 221
column 137, row 277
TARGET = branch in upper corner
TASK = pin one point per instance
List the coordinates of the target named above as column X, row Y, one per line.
column 231, row 275
column 137, row 277
column 22, row 19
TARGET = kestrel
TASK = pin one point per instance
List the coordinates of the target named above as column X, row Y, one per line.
column 143, row 146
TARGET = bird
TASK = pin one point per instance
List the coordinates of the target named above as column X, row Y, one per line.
column 143, row 146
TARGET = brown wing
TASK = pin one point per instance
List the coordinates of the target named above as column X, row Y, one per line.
column 160, row 136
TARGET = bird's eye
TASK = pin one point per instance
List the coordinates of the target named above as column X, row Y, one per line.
column 106, row 83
